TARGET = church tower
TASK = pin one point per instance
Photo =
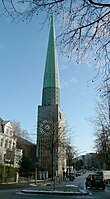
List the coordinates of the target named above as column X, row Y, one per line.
column 51, row 85
column 51, row 124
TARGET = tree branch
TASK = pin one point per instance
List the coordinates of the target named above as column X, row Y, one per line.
column 99, row 4
column 81, row 27
column 50, row 3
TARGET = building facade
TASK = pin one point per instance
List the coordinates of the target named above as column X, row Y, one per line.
column 10, row 155
column 51, row 124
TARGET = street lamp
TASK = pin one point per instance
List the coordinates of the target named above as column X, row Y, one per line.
column 36, row 170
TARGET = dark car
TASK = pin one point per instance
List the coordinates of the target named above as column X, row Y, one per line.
column 95, row 180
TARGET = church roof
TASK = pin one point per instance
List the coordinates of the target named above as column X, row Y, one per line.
column 51, row 76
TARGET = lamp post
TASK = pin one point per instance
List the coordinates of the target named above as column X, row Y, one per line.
column 36, row 170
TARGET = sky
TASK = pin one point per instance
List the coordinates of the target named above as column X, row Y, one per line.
column 23, row 50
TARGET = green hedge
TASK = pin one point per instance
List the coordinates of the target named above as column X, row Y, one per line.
column 7, row 173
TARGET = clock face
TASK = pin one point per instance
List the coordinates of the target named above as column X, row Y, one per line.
column 44, row 127
column 47, row 127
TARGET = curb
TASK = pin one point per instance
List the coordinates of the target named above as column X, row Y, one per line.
column 54, row 192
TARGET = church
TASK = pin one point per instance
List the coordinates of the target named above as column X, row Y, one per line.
column 51, row 121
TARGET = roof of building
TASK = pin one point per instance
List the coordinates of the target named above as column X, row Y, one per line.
column 5, row 122
column 51, row 76
column 2, row 124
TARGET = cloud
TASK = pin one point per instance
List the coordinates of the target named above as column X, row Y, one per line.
column 72, row 80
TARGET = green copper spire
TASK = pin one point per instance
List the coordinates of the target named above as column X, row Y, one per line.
column 51, row 84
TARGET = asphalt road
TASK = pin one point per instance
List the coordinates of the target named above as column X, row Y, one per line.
column 13, row 192
column 17, row 195
column 95, row 194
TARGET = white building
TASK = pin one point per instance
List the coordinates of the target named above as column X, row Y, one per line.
column 9, row 154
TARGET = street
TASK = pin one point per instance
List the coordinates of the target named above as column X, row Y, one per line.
column 80, row 181
column 95, row 194
column 16, row 195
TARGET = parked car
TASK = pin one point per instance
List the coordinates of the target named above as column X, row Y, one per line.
column 95, row 180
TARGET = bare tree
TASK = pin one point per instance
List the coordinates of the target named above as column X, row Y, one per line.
column 104, row 91
column 70, row 154
column 19, row 132
column 102, row 135
column 84, row 26
column 52, row 144
column 17, row 128
column 103, row 147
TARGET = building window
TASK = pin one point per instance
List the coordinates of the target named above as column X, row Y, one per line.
column 14, row 144
column 10, row 144
column 11, row 133
column 7, row 131
column 1, row 142
column 6, row 143
column 59, row 115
